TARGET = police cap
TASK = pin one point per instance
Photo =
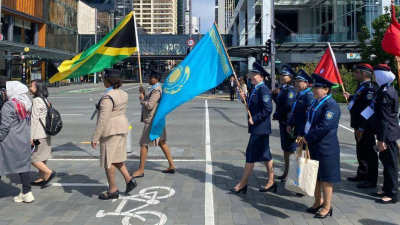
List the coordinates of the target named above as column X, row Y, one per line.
column 319, row 81
column 364, row 66
column 302, row 75
column 257, row 68
column 112, row 73
column 288, row 71
column 383, row 67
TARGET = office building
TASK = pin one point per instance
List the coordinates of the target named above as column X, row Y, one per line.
column 224, row 10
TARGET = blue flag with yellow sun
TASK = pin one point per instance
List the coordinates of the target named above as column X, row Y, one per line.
column 204, row 68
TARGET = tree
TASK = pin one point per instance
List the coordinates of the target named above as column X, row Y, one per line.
column 371, row 45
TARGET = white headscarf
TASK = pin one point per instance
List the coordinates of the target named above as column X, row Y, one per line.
column 17, row 90
column 384, row 77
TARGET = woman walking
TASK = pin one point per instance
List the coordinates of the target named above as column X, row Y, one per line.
column 284, row 99
column 321, row 136
column 15, row 150
column 258, row 150
column 111, row 130
column 42, row 151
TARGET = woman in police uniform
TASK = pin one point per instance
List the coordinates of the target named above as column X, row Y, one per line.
column 321, row 136
column 387, row 130
column 111, row 130
column 258, row 150
column 305, row 97
column 284, row 98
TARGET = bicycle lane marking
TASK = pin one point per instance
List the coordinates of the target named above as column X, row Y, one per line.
column 209, row 196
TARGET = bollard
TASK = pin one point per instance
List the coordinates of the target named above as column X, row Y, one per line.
column 129, row 140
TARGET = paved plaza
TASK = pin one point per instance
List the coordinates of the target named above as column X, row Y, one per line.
column 208, row 138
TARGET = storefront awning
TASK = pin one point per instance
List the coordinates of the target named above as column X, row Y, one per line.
column 35, row 52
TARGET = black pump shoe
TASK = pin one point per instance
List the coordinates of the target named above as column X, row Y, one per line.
column 130, row 185
column 273, row 188
column 139, row 176
column 34, row 183
column 244, row 190
column 109, row 195
column 320, row 216
column 391, row 201
column 312, row 210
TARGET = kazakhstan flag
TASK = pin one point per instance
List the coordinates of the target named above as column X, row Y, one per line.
column 204, row 68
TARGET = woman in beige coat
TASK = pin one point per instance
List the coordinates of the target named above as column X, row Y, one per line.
column 111, row 130
column 42, row 151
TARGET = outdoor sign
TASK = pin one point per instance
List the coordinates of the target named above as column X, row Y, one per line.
column 190, row 42
column 353, row 56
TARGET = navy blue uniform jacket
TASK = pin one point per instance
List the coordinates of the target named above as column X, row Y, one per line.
column 298, row 118
column 386, row 111
column 260, row 107
column 363, row 98
column 284, row 101
column 322, row 136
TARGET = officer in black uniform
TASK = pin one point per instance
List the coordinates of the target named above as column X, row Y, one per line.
column 298, row 116
column 363, row 129
column 284, row 98
column 387, row 130
column 260, row 106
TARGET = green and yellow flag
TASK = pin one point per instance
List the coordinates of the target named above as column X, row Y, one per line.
column 117, row 45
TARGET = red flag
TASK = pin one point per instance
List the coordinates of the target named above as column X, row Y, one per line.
column 327, row 67
column 391, row 40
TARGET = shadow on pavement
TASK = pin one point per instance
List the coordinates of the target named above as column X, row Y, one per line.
column 369, row 221
column 7, row 189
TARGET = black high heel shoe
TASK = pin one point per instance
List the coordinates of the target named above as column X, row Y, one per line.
column 320, row 216
column 312, row 210
column 273, row 187
column 244, row 190
column 109, row 195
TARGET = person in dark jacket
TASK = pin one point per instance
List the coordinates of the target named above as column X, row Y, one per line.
column 258, row 150
column 284, row 98
column 387, row 130
column 321, row 136
column 232, row 88
column 367, row 158
column 3, row 94
column 305, row 97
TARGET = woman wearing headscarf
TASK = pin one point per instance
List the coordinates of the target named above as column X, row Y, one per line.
column 15, row 138
column 387, row 131
column 321, row 136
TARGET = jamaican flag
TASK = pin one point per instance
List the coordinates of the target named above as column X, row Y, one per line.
column 117, row 45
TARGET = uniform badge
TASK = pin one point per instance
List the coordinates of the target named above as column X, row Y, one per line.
column 384, row 101
column 329, row 115
column 370, row 96
column 358, row 93
column 266, row 98
column 290, row 95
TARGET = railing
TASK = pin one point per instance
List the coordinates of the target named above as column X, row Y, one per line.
column 313, row 38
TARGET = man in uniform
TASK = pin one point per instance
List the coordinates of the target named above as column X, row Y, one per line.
column 367, row 158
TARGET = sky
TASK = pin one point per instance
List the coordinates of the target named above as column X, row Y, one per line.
column 205, row 9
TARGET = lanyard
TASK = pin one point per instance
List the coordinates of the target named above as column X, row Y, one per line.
column 358, row 91
column 152, row 88
column 254, row 90
column 109, row 89
column 308, row 114
column 301, row 94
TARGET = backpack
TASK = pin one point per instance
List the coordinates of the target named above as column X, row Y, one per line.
column 53, row 120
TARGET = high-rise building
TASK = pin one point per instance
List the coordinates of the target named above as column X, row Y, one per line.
column 224, row 11
column 181, row 16
column 157, row 16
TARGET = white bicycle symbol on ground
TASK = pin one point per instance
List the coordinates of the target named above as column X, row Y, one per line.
column 146, row 195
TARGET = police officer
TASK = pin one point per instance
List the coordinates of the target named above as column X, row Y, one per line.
column 284, row 98
column 387, row 130
column 298, row 116
column 321, row 136
column 111, row 130
column 363, row 129
column 258, row 150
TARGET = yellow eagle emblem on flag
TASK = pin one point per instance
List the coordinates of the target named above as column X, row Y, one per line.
column 176, row 80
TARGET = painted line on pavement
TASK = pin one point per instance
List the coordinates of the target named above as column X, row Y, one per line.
column 77, row 185
column 71, row 114
column 346, row 128
column 130, row 88
column 135, row 160
column 209, row 196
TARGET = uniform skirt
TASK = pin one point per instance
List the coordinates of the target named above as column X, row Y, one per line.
column 329, row 166
column 258, row 149
column 112, row 150
column 288, row 144
column 42, row 151
column 145, row 139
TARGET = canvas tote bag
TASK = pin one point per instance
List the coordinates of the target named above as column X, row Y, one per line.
column 303, row 172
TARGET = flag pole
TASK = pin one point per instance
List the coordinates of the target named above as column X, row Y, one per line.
column 337, row 69
column 138, row 50
column 233, row 70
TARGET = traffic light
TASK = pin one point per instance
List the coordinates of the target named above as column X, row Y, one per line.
column 265, row 60
column 268, row 47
